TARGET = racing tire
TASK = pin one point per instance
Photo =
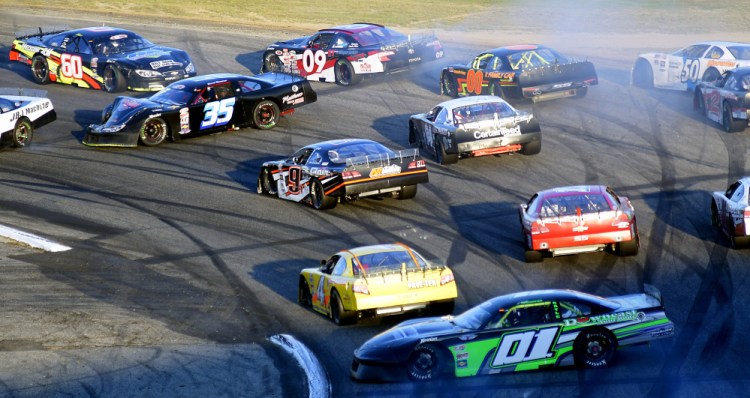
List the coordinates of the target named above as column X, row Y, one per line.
column 320, row 200
column 22, row 134
column 339, row 315
column 413, row 140
column 441, row 156
column 266, row 184
column 40, row 69
column 730, row 124
column 643, row 75
column 533, row 256
column 532, row 148
column 344, row 73
column 699, row 104
column 739, row 242
column 266, row 114
column 581, row 92
column 114, row 81
column 406, row 192
column 594, row 348
column 271, row 63
column 153, row 132
column 627, row 249
column 710, row 75
column 426, row 362
column 304, row 298
column 715, row 222
column 449, row 85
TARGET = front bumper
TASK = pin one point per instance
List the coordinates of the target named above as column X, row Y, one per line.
column 377, row 371
column 95, row 137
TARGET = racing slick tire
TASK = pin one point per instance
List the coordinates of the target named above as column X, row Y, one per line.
column 730, row 124
column 266, row 184
column 711, row 74
column 594, row 348
column 266, row 114
column 344, row 73
column 532, row 148
column 22, row 134
column 643, row 75
column 406, row 192
column 320, row 200
column 427, row 362
column 413, row 140
column 533, row 256
column 271, row 63
column 629, row 248
column 739, row 242
column 449, row 85
column 153, row 131
column 304, row 298
column 339, row 315
column 715, row 222
column 114, row 81
column 699, row 104
column 441, row 156
column 581, row 92
column 40, row 69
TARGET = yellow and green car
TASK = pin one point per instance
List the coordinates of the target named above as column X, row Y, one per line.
column 376, row 280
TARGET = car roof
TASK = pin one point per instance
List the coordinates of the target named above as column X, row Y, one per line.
column 353, row 28
column 201, row 80
column 100, row 31
column 506, row 50
column 551, row 294
column 331, row 144
column 471, row 100
column 573, row 189
column 388, row 247
column 720, row 43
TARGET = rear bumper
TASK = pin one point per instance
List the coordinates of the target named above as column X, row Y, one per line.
column 379, row 186
column 409, row 301
column 572, row 244
column 497, row 145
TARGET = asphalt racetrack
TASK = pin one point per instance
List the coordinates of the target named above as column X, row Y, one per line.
column 180, row 271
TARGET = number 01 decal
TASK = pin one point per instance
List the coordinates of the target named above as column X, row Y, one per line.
column 525, row 346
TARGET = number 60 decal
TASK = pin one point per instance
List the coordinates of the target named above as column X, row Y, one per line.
column 313, row 62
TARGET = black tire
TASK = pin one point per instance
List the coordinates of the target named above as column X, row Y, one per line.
column 581, row 92
column 533, row 256
column 715, row 222
column 629, row 248
column 266, row 184
column 739, row 242
column 710, row 75
column 339, row 315
column 413, row 140
column 496, row 90
column 406, row 192
column 532, row 148
column 22, row 134
column 106, row 113
column 114, row 81
column 441, row 156
column 266, row 114
column 699, row 104
column 153, row 131
column 643, row 75
column 594, row 348
column 40, row 69
column 320, row 200
column 427, row 362
column 344, row 73
column 304, row 298
column 730, row 124
column 449, row 85
column 272, row 63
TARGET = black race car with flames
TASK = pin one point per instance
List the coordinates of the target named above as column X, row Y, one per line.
column 200, row 105
column 101, row 58
column 524, row 71
column 325, row 173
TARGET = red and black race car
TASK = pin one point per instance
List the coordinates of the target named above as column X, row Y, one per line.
column 102, row 58
column 324, row 173
column 523, row 71
column 343, row 54
column 726, row 100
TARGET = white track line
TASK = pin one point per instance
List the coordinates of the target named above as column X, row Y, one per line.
column 32, row 240
column 317, row 380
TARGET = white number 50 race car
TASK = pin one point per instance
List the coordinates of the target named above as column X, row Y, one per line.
column 684, row 68
column 21, row 114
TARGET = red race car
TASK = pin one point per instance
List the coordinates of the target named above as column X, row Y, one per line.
column 578, row 219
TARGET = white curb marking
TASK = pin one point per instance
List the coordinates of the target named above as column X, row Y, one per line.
column 32, row 240
column 317, row 380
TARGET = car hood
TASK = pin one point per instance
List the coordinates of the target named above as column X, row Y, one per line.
column 124, row 109
column 409, row 332
column 155, row 58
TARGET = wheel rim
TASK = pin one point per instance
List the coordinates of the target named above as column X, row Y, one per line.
column 22, row 134
column 266, row 115
column 596, row 349
column 40, row 70
column 154, row 132
column 345, row 75
column 423, row 364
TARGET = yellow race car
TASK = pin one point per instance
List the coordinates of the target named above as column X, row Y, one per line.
column 376, row 280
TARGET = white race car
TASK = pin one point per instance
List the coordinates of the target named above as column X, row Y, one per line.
column 21, row 113
column 682, row 69
column 730, row 212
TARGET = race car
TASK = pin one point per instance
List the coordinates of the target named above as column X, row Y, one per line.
column 730, row 212
column 200, row 105
column 578, row 219
column 343, row 54
column 21, row 112
column 376, row 280
column 726, row 100
column 684, row 68
column 327, row 172
column 521, row 331
column 523, row 71
column 474, row 126
column 101, row 58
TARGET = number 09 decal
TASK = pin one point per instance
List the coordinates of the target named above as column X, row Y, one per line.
column 313, row 62
column 525, row 346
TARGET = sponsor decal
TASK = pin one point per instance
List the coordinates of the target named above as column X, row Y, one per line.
column 464, row 355
column 562, row 85
column 421, row 284
column 153, row 53
column 607, row 318
column 465, row 337
column 462, row 364
column 184, row 121
column 29, row 110
column 415, row 59
column 385, row 171
column 503, row 131
column 725, row 64
column 501, row 75
column 164, row 64
column 292, row 99
column 428, row 339
column 118, row 37
column 365, row 67
column 318, row 172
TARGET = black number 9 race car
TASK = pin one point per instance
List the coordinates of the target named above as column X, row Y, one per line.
column 102, row 58
column 324, row 173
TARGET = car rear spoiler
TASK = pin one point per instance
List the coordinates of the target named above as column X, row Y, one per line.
column 652, row 291
column 381, row 159
column 40, row 31
column 23, row 92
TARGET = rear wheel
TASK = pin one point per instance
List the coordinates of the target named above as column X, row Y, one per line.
column 594, row 348
column 266, row 114
column 320, row 200
column 532, row 148
column 533, row 256
column 40, row 69
column 339, row 315
column 272, row 63
column 449, row 85
column 629, row 248
column 441, row 156
column 114, row 81
column 643, row 75
column 427, row 362
column 739, row 242
column 22, row 133
column 344, row 73
column 406, row 192
column 153, row 132
column 266, row 183
column 581, row 92
column 699, row 103
column 731, row 125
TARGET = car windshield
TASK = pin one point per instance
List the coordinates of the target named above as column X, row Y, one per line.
column 569, row 205
column 475, row 318
column 535, row 58
column 371, row 149
column 121, row 43
column 740, row 52
column 389, row 262
column 479, row 112
column 172, row 96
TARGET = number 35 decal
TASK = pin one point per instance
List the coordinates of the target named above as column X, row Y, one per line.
column 218, row 113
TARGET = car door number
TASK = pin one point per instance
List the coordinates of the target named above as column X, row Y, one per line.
column 313, row 62
column 71, row 66
column 525, row 346
column 294, row 180
column 690, row 70
column 218, row 113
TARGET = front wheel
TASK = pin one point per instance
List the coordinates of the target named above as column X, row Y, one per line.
column 266, row 114
column 266, row 184
column 730, row 124
column 114, row 81
column 40, row 69
column 22, row 133
column 426, row 362
column 344, row 73
column 449, row 85
column 320, row 200
column 594, row 348
column 153, row 132
column 643, row 75
column 581, row 92
column 532, row 148
column 699, row 104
